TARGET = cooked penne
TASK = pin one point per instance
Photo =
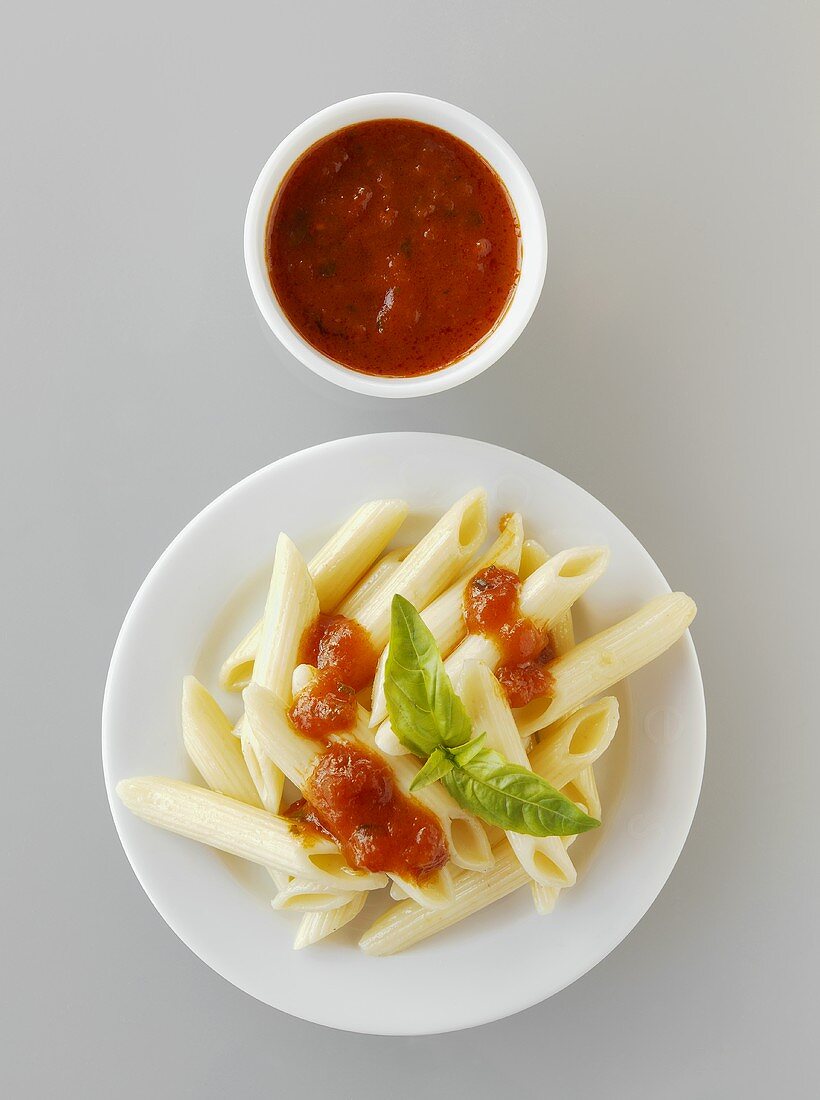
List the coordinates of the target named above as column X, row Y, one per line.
column 544, row 858
column 220, row 758
column 304, row 896
column 317, row 926
column 343, row 559
column 546, row 595
column 297, row 757
column 374, row 584
column 291, row 607
column 431, row 565
column 584, row 793
column 466, row 836
column 444, row 617
column 293, row 754
column 514, row 682
column 346, row 556
column 214, row 750
column 597, row 663
column 567, row 748
column 584, row 790
column 545, row 897
column 240, row 830
column 405, row 924
column 533, row 556
column 265, row 776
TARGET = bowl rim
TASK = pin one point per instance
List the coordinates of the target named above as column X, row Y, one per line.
column 621, row 925
column 501, row 157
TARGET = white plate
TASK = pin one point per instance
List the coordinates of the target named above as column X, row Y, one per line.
column 208, row 587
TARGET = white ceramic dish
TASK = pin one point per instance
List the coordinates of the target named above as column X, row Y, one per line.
column 207, row 588
column 495, row 151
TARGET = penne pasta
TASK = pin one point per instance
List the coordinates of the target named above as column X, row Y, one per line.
column 347, row 555
column 240, row 830
column 291, row 607
column 210, row 743
column 597, row 663
column 405, row 924
column 545, row 897
column 567, row 748
column 444, row 617
column 546, row 595
column 317, row 926
column 335, row 569
column 533, row 556
column 431, row 565
column 265, row 776
column 584, row 793
column 220, row 758
column 466, row 835
column 297, row 756
column 584, row 790
column 373, row 585
column 544, row 858
column 312, row 726
column 304, row 896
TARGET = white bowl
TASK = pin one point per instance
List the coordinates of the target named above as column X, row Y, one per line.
column 207, row 589
column 495, row 151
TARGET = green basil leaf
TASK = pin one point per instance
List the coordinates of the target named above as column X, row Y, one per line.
column 514, row 798
column 424, row 711
column 465, row 753
column 439, row 763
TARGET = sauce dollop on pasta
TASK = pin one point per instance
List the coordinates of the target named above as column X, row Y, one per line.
column 351, row 794
column 492, row 607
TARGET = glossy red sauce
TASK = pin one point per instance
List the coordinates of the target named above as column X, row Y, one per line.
column 351, row 794
column 342, row 651
column 325, row 706
column 334, row 641
column 492, row 607
column 378, row 828
column 392, row 247
column 304, row 820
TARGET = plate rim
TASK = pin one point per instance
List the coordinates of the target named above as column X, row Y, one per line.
column 479, row 1018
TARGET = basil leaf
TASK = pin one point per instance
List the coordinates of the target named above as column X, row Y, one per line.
column 430, row 720
column 514, row 798
column 439, row 763
column 424, row 710
column 465, row 753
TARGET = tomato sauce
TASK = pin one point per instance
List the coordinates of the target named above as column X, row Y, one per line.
column 492, row 607
column 303, row 819
column 327, row 705
column 351, row 793
column 393, row 247
column 334, row 641
column 342, row 651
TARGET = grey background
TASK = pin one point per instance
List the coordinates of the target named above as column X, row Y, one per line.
column 669, row 369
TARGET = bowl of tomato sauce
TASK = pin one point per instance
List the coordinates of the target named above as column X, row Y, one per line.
column 395, row 244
